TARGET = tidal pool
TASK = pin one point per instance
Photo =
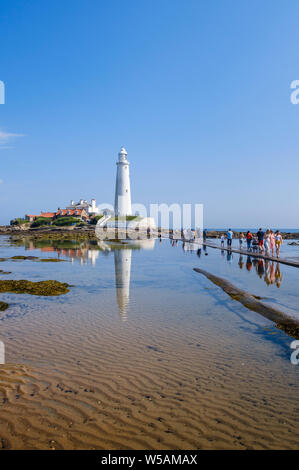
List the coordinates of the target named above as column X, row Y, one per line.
column 143, row 352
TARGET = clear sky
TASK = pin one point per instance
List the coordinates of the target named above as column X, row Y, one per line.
column 197, row 91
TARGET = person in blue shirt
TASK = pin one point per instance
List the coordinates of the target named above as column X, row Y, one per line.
column 260, row 236
column 229, row 236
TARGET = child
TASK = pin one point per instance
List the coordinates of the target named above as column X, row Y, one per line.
column 255, row 244
column 222, row 238
column 241, row 239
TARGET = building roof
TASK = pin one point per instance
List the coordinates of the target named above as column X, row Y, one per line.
column 69, row 212
column 47, row 214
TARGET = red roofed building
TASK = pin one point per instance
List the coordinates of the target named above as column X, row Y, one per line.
column 47, row 215
column 72, row 213
column 68, row 212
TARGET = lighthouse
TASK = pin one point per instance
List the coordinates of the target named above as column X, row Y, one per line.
column 122, row 204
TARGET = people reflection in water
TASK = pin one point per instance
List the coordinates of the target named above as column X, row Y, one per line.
column 278, row 275
column 272, row 273
column 241, row 262
column 260, row 268
column 248, row 263
column 229, row 256
column 265, row 269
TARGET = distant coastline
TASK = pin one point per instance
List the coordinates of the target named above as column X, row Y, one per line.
column 88, row 231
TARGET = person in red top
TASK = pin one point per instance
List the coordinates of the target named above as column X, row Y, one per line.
column 249, row 237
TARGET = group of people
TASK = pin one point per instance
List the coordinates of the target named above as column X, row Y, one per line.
column 264, row 242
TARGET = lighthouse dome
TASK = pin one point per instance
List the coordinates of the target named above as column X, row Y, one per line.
column 123, row 151
column 122, row 155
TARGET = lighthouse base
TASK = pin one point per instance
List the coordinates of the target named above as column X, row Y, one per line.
column 121, row 228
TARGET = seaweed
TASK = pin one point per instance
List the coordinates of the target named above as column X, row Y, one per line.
column 44, row 288
column 52, row 260
column 3, row 306
column 289, row 329
column 283, row 321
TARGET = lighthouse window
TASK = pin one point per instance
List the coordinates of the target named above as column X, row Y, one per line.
column 126, row 190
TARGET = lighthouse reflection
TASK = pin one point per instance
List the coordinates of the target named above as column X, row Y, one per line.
column 90, row 252
column 122, row 265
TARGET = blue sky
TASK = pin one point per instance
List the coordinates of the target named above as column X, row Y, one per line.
column 197, row 91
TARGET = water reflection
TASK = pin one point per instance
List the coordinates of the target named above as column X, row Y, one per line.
column 89, row 251
column 122, row 266
column 265, row 269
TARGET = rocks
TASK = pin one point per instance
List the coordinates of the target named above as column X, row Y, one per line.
column 290, row 330
column 3, row 306
column 52, row 260
column 283, row 321
column 32, row 258
column 44, row 288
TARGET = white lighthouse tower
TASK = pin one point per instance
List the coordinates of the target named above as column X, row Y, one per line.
column 122, row 205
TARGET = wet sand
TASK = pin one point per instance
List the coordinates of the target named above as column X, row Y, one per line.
column 172, row 391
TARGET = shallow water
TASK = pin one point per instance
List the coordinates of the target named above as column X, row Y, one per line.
column 143, row 352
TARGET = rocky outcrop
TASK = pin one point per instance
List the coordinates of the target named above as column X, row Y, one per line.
column 45, row 288
column 283, row 321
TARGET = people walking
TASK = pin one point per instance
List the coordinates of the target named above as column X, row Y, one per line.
column 278, row 242
column 260, row 236
column 222, row 239
column 267, row 242
column 272, row 242
column 241, row 240
column 229, row 236
column 249, row 237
